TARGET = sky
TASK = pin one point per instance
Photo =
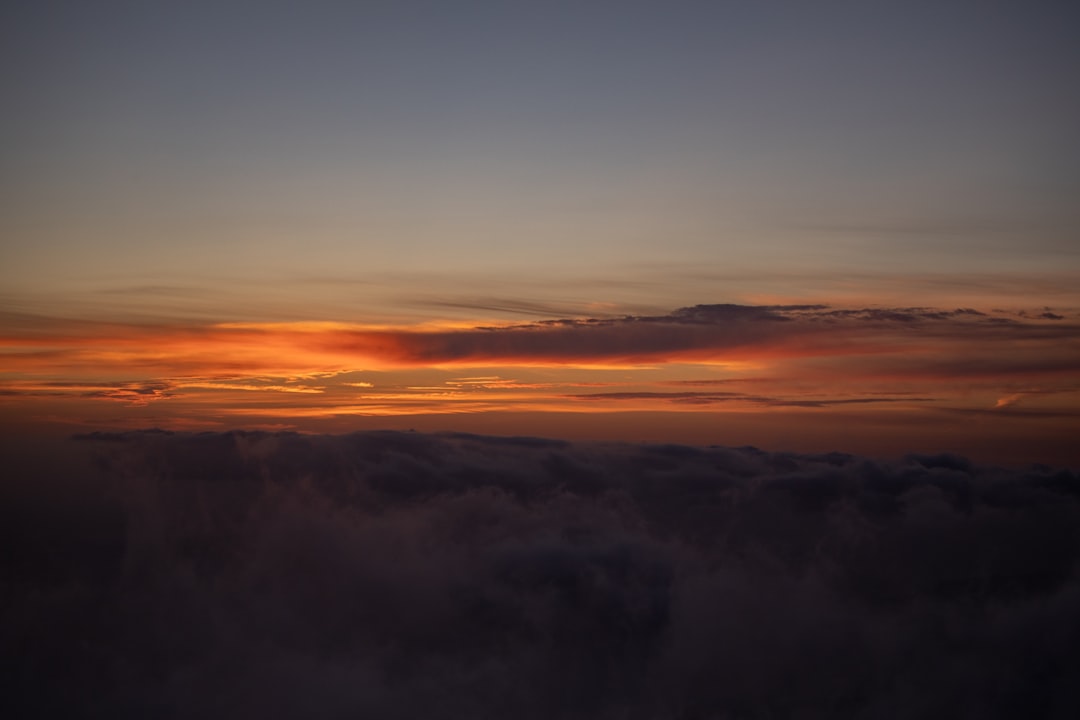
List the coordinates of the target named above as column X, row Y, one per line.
column 802, row 226
column 540, row 359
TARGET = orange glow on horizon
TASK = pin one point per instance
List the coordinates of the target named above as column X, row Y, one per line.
column 739, row 362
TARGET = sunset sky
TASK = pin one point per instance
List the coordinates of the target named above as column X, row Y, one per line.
column 807, row 226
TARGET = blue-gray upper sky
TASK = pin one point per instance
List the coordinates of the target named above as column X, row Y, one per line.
column 409, row 144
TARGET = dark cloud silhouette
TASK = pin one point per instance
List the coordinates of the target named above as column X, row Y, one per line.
column 926, row 339
column 709, row 382
column 704, row 331
column 702, row 398
column 134, row 393
column 402, row 575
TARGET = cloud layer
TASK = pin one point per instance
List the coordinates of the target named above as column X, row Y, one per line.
column 409, row 575
column 698, row 333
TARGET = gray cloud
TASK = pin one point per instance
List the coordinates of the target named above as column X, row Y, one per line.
column 701, row 397
column 408, row 575
column 700, row 331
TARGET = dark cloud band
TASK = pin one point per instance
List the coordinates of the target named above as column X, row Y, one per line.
column 406, row 575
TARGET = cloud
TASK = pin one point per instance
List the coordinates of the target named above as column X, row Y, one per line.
column 390, row 574
column 694, row 397
column 697, row 333
column 763, row 358
column 511, row 306
column 133, row 393
column 688, row 395
column 700, row 333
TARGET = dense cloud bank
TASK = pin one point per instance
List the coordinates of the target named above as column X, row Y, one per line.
column 403, row 575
